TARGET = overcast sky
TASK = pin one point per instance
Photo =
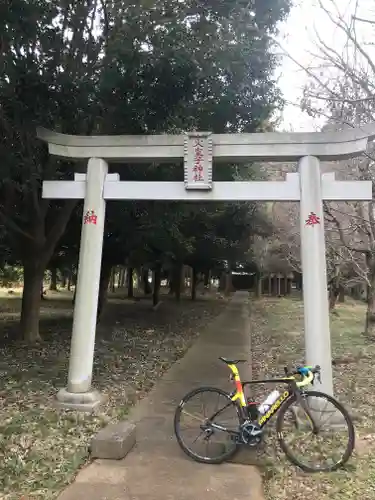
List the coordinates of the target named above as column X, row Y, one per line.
column 297, row 37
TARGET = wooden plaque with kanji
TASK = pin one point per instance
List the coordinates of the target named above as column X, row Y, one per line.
column 198, row 160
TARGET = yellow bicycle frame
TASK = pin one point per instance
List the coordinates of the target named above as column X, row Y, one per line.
column 306, row 380
column 239, row 389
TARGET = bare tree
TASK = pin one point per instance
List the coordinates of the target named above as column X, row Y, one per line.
column 341, row 88
column 284, row 247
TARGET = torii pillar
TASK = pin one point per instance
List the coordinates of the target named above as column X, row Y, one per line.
column 197, row 150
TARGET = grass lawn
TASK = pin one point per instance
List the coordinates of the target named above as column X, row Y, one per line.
column 41, row 448
column 277, row 340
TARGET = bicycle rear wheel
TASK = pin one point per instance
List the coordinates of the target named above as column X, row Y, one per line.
column 323, row 449
column 195, row 421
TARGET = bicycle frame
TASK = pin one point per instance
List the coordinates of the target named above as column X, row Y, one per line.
column 238, row 397
column 263, row 419
column 239, row 394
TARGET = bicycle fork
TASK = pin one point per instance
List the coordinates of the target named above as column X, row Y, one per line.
column 306, row 409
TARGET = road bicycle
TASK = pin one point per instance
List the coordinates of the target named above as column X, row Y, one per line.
column 301, row 410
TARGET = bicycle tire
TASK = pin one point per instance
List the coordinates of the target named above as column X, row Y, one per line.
column 198, row 458
column 339, row 407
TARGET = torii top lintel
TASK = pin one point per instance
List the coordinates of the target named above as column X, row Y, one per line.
column 273, row 146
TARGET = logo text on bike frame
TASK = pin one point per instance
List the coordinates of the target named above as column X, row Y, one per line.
column 274, row 408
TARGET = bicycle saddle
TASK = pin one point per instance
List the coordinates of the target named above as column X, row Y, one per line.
column 232, row 361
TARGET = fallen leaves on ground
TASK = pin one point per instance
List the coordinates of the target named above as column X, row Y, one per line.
column 277, row 341
column 41, row 448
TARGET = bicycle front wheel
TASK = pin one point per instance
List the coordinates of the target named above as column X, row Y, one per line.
column 207, row 425
column 315, row 432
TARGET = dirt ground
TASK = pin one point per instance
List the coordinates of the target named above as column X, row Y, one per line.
column 278, row 341
column 42, row 448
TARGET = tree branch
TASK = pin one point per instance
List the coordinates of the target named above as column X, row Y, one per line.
column 341, row 232
column 361, row 20
column 7, row 221
column 342, row 99
column 341, row 24
column 307, row 70
column 58, row 228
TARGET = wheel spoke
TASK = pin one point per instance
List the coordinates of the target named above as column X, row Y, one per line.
column 315, row 451
column 195, row 417
column 196, row 439
column 190, row 427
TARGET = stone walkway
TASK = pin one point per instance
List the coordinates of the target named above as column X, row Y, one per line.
column 156, row 468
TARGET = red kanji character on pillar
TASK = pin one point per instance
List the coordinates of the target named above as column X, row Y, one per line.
column 93, row 218
column 90, row 217
column 312, row 219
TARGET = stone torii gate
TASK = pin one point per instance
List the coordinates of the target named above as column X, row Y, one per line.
column 198, row 149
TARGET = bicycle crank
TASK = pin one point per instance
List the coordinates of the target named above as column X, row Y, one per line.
column 251, row 434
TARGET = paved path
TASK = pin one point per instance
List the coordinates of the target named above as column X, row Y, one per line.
column 157, row 469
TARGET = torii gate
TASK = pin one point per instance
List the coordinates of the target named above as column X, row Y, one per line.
column 198, row 149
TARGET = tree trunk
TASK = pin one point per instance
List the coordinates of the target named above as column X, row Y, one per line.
column 370, row 314
column 341, row 298
column 333, row 294
column 286, row 285
column 194, row 284
column 157, row 283
column 299, row 281
column 130, row 283
column 112, row 278
column 222, row 281
column 137, row 276
column 183, row 279
column 105, row 277
column 274, row 287
column 364, row 292
column 38, row 253
column 228, row 283
column 171, row 283
column 356, row 292
column 69, row 284
column 31, row 298
column 75, row 277
column 258, row 285
column 121, row 278
column 53, row 283
column 63, row 279
column 177, row 278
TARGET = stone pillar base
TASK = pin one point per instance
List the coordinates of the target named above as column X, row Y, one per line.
column 84, row 401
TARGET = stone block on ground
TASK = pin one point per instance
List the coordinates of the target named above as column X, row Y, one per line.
column 114, row 441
